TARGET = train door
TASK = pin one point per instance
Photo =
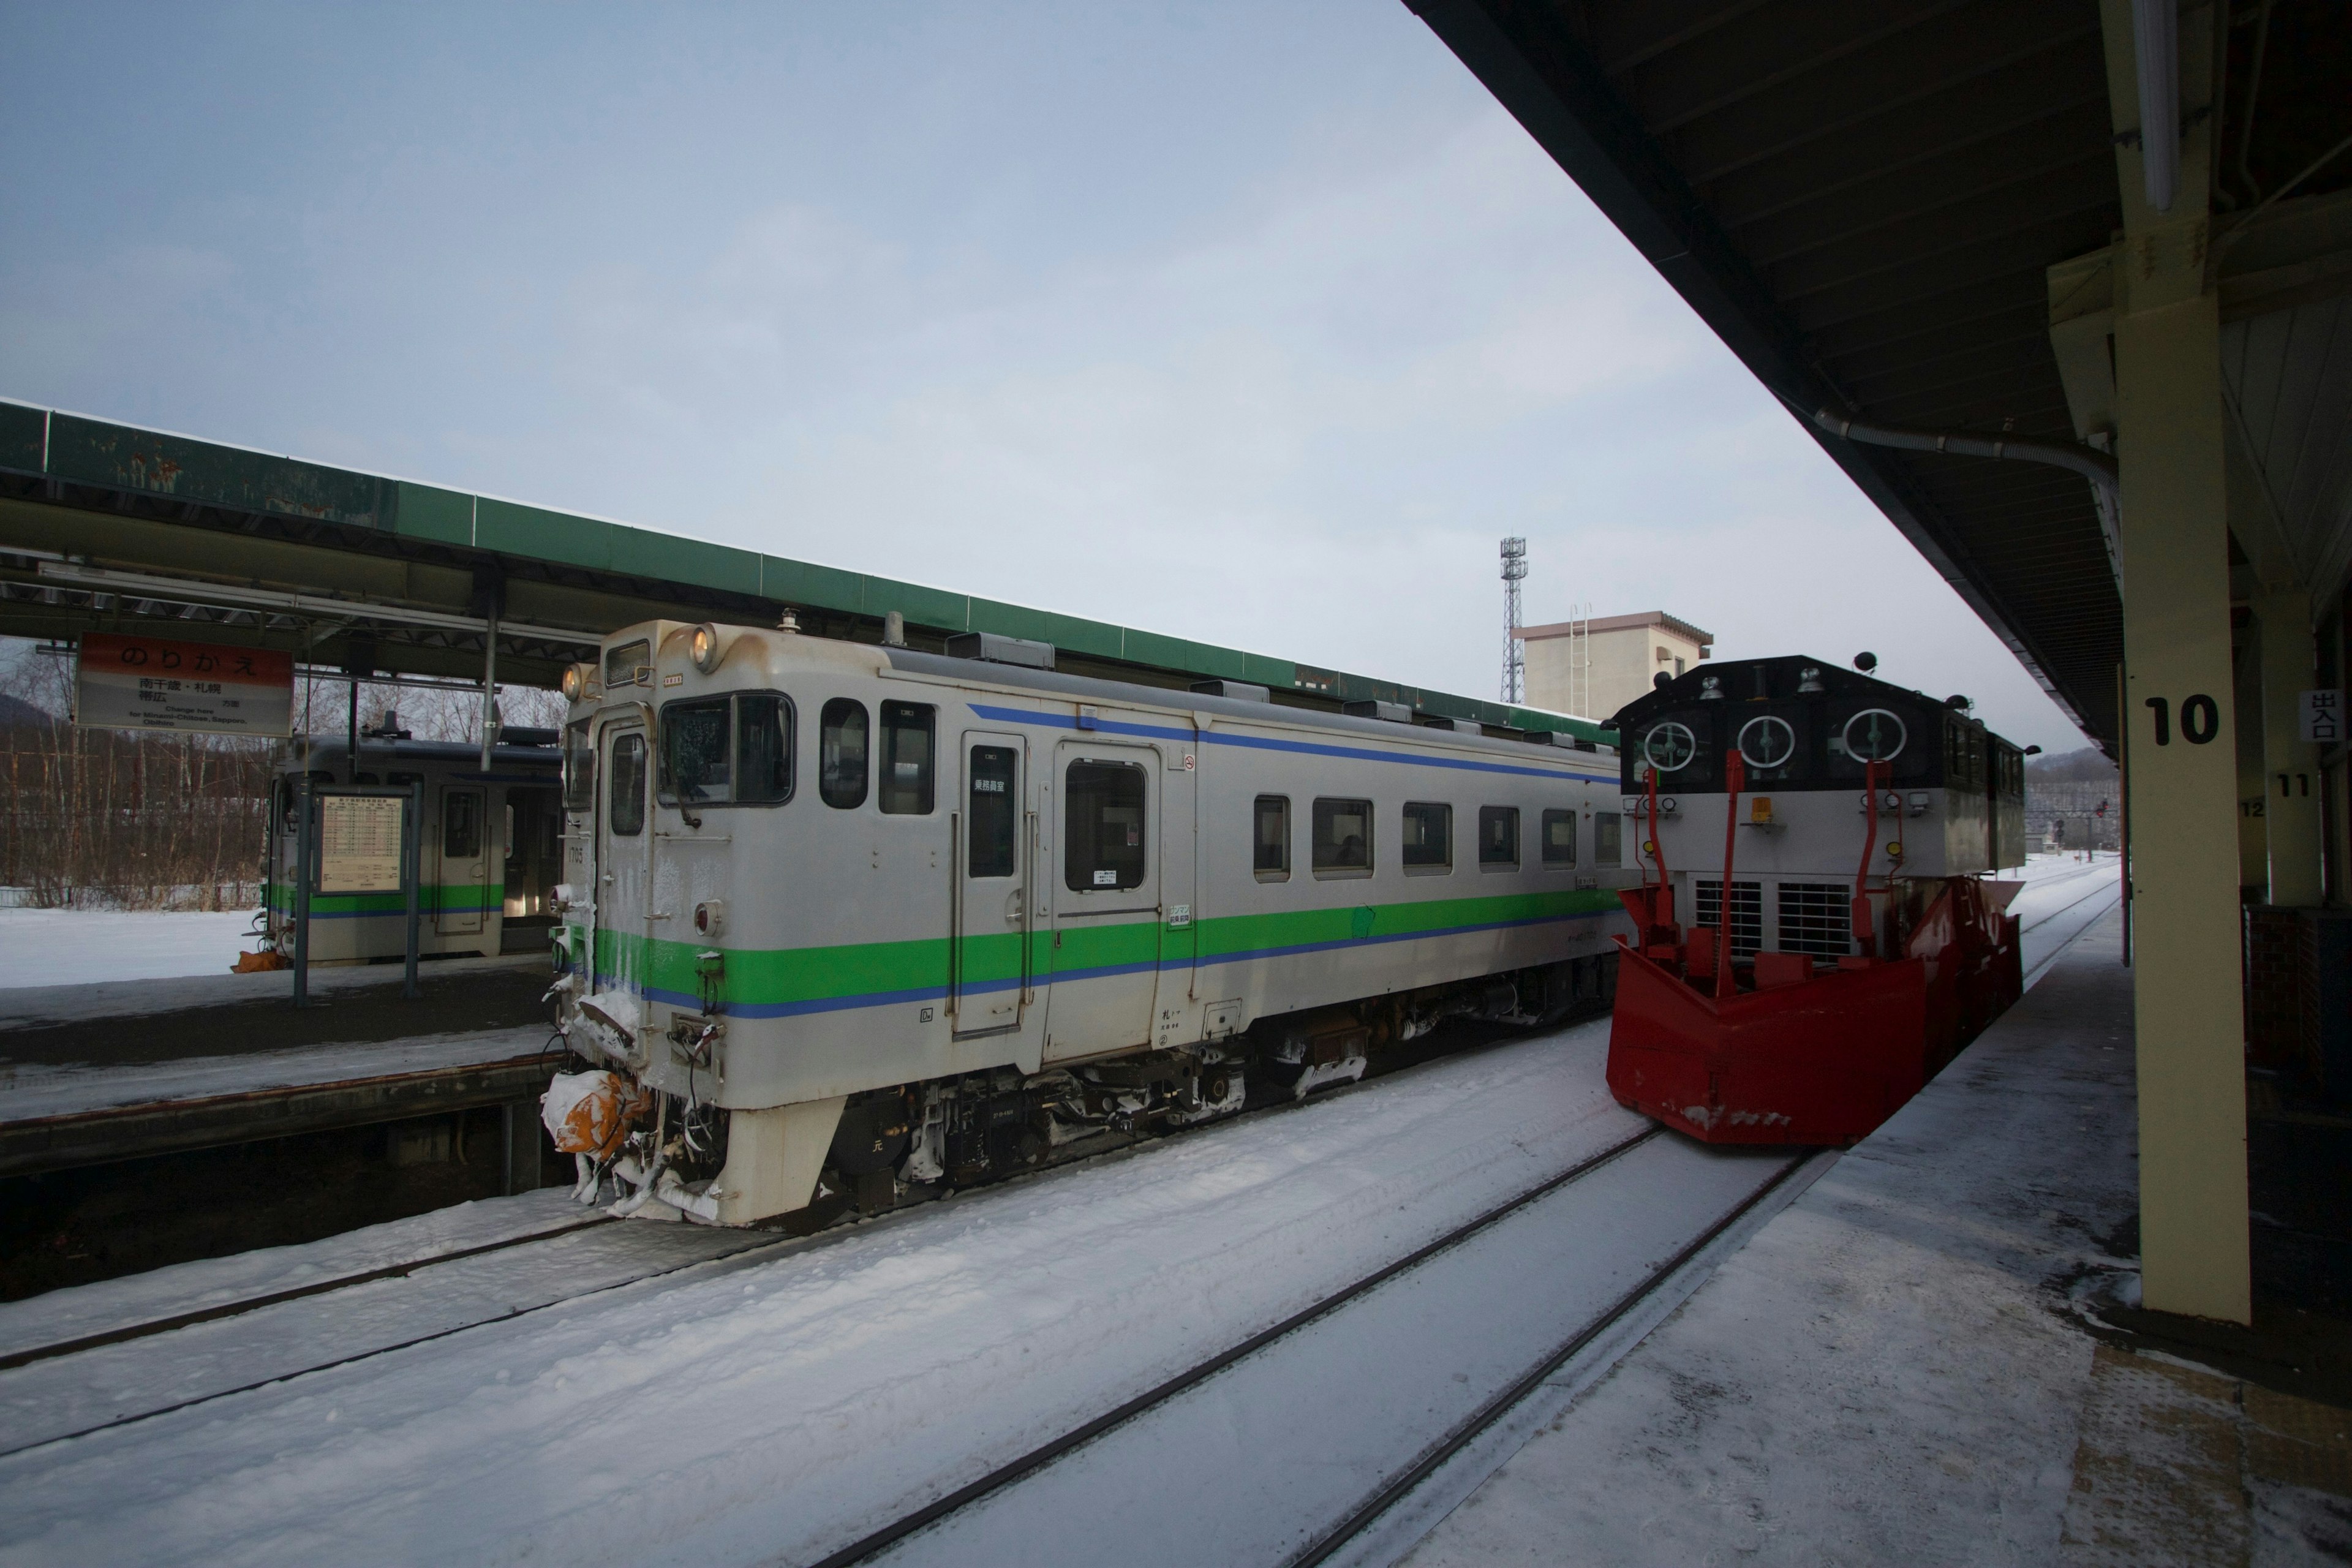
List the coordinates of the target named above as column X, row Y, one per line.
column 1105, row 953
column 989, row 976
column 533, row 822
column 461, row 877
column 623, row 860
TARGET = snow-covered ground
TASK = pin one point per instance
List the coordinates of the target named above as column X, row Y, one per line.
column 772, row 1407
column 75, row 947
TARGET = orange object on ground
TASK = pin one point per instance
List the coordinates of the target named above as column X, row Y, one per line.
column 269, row 958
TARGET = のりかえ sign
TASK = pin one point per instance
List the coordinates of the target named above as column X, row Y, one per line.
column 149, row 683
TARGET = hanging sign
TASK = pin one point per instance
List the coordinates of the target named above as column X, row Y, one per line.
column 2323, row 717
column 359, row 843
column 150, row 683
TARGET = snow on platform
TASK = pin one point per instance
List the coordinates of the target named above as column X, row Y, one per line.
column 30, row 1091
column 74, row 947
column 31, row 1002
column 1899, row 1367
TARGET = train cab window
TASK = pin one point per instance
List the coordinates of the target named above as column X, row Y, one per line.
column 763, row 748
column 578, row 768
column 1427, row 844
column 840, row 753
column 1560, row 838
column 1771, row 748
column 1608, row 838
column 1270, row 838
column 994, row 784
column 1343, row 838
column 906, row 768
column 461, row 824
column 694, row 762
column 1498, row 837
column 627, row 815
column 1103, row 847
column 1678, row 749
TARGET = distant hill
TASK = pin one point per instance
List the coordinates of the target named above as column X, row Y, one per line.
column 2084, row 766
column 16, row 713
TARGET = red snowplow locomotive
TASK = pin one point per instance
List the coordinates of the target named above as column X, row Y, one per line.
column 1854, row 823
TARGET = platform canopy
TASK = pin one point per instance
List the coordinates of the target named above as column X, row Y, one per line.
column 1865, row 199
column 108, row 527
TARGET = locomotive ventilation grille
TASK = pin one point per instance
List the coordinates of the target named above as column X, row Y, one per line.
column 1816, row 918
column 1747, row 912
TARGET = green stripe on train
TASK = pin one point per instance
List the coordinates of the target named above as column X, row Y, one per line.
column 781, row 976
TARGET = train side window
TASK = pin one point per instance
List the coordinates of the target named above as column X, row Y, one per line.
column 1427, row 844
column 626, row 816
column 461, row 824
column 1270, row 838
column 1560, row 838
column 578, row 768
column 763, row 748
column 994, row 779
column 840, row 753
column 1498, row 837
column 1103, row 845
column 1343, row 838
column 907, row 770
column 1608, row 846
column 694, row 756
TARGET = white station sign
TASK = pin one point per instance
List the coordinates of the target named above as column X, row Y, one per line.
column 150, row 683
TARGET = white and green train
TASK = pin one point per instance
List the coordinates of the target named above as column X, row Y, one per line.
column 890, row 918
column 487, row 860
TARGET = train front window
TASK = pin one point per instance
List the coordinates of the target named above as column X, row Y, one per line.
column 1343, row 838
column 624, row 664
column 627, row 815
column 694, row 763
column 1769, row 746
column 840, row 753
column 995, row 810
column 906, row 730
column 1678, row 750
column 578, row 768
column 763, row 748
column 1103, row 841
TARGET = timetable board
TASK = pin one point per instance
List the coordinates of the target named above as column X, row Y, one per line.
column 359, row 843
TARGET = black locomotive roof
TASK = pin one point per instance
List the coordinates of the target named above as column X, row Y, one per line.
column 1788, row 677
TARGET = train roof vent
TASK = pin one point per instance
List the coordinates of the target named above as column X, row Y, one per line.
column 1394, row 712
column 1464, row 726
column 998, row 650
column 1561, row 737
column 1238, row 690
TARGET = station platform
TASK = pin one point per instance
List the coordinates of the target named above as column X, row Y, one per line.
column 1936, row 1355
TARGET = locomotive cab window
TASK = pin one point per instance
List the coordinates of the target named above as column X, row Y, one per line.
column 1103, row 846
column 1427, row 843
column 625, row 817
column 763, row 748
column 840, row 753
column 994, row 783
column 906, row 767
column 1270, row 838
column 1498, row 837
column 1343, row 838
column 578, row 768
column 694, row 753
column 1560, row 838
column 1678, row 748
column 622, row 663
column 723, row 750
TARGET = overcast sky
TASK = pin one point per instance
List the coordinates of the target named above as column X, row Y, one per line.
column 1254, row 323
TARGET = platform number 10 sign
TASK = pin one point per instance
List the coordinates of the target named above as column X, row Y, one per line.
column 2201, row 719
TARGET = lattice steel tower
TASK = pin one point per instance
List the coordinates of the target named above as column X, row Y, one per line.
column 1515, row 658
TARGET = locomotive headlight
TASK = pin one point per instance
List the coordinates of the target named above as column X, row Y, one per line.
column 576, row 682
column 706, row 647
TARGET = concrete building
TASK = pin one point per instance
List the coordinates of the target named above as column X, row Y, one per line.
column 1591, row 669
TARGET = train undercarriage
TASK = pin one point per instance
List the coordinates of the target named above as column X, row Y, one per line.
column 643, row 1151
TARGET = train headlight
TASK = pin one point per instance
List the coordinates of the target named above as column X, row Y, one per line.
column 706, row 648
column 576, row 682
column 710, row 920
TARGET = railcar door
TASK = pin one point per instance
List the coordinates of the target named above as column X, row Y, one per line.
column 622, row 861
column 989, row 975
column 1105, row 953
column 462, row 876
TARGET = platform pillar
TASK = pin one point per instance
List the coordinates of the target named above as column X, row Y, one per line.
column 2180, row 743
column 2292, row 796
